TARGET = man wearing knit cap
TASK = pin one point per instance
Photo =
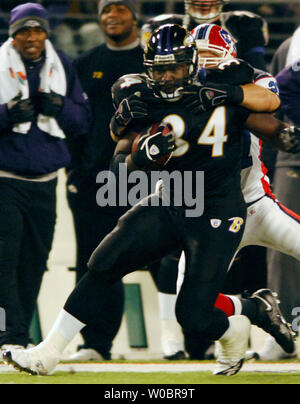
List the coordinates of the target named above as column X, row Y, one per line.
column 28, row 15
column 41, row 106
column 131, row 4
column 98, row 69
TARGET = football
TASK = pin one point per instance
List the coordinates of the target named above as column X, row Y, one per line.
column 149, row 131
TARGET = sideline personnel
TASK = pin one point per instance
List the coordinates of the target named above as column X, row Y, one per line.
column 41, row 105
column 98, row 69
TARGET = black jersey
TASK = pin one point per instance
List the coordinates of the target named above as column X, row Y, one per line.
column 210, row 142
column 98, row 70
column 248, row 29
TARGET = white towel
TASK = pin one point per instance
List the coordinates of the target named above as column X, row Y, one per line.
column 294, row 49
column 13, row 81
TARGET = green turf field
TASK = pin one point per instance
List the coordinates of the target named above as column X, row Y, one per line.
column 160, row 372
column 150, row 378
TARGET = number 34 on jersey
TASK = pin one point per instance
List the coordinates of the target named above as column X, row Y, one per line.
column 214, row 133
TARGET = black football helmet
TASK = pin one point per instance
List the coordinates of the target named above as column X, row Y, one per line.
column 168, row 46
column 204, row 10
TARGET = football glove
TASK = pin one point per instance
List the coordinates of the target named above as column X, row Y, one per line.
column 235, row 72
column 130, row 108
column 200, row 98
column 50, row 104
column 151, row 148
column 288, row 140
column 20, row 111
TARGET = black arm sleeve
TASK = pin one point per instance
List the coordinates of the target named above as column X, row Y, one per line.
column 256, row 59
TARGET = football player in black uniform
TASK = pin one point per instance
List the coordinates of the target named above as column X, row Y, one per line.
column 215, row 46
column 209, row 142
column 250, row 32
column 248, row 29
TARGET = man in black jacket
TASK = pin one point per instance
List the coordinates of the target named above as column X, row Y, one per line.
column 41, row 107
column 98, row 69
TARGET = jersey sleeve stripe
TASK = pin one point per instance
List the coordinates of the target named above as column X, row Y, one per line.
column 289, row 212
column 264, row 182
column 263, row 78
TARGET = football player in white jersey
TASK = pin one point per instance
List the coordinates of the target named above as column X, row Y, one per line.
column 279, row 232
column 269, row 223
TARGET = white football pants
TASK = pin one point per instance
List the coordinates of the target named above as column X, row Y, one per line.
column 269, row 224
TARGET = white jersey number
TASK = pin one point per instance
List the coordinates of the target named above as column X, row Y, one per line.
column 213, row 134
column 178, row 127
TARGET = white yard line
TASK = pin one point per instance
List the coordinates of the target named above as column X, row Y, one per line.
column 170, row 368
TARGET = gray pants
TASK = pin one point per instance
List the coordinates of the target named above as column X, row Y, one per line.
column 283, row 270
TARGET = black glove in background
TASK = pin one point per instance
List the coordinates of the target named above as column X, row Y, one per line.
column 20, row 111
column 50, row 104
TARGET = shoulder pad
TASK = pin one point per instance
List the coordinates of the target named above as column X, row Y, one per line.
column 259, row 74
column 266, row 80
column 128, row 85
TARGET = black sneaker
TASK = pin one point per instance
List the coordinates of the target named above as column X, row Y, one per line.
column 271, row 320
column 180, row 355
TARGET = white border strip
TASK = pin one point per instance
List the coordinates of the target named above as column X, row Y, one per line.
column 169, row 368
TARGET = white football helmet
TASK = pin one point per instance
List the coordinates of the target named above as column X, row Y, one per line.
column 214, row 39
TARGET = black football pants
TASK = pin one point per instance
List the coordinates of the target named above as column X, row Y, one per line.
column 27, row 221
column 92, row 224
column 146, row 234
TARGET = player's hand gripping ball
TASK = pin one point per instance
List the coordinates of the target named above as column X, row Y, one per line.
column 153, row 147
